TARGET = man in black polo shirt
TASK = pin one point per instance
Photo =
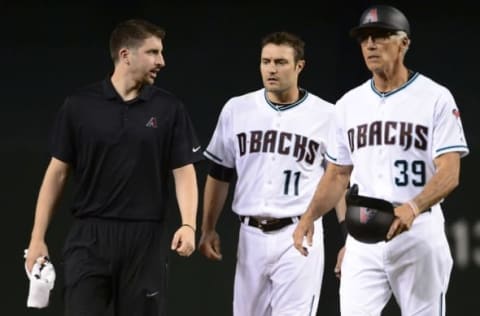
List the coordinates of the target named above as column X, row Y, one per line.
column 121, row 138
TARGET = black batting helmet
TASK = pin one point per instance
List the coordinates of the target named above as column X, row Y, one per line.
column 367, row 219
column 382, row 17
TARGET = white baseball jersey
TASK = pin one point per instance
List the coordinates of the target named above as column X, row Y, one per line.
column 392, row 140
column 277, row 153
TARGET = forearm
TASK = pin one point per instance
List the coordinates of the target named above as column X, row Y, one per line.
column 49, row 194
column 186, row 190
column 330, row 190
column 215, row 195
column 444, row 181
column 341, row 208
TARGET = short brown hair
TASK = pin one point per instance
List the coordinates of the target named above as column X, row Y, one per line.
column 132, row 33
column 289, row 39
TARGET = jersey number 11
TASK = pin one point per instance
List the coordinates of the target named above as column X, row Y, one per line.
column 288, row 177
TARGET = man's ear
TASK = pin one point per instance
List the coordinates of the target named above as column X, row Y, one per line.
column 300, row 65
column 405, row 44
column 124, row 55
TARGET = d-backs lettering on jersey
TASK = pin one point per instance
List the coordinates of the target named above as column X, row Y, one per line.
column 404, row 134
column 283, row 143
column 278, row 153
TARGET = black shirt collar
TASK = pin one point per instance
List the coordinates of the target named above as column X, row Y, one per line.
column 110, row 93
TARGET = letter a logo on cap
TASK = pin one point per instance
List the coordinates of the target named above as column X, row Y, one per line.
column 371, row 16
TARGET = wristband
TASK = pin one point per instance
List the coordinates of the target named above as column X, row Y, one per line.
column 343, row 229
column 188, row 225
column 414, row 208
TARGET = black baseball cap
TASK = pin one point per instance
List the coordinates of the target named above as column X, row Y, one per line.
column 382, row 17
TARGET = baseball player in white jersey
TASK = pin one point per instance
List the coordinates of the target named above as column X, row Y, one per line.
column 275, row 140
column 399, row 137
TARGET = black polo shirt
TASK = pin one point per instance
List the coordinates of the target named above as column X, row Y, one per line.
column 122, row 153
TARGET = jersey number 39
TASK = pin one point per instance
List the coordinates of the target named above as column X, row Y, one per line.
column 413, row 173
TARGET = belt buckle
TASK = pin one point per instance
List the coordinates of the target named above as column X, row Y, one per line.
column 265, row 224
column 262, row 224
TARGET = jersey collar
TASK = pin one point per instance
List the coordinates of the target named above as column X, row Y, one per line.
column 386, row 94
column 285, row 107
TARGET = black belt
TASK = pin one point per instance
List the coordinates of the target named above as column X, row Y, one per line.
column 268, row 225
